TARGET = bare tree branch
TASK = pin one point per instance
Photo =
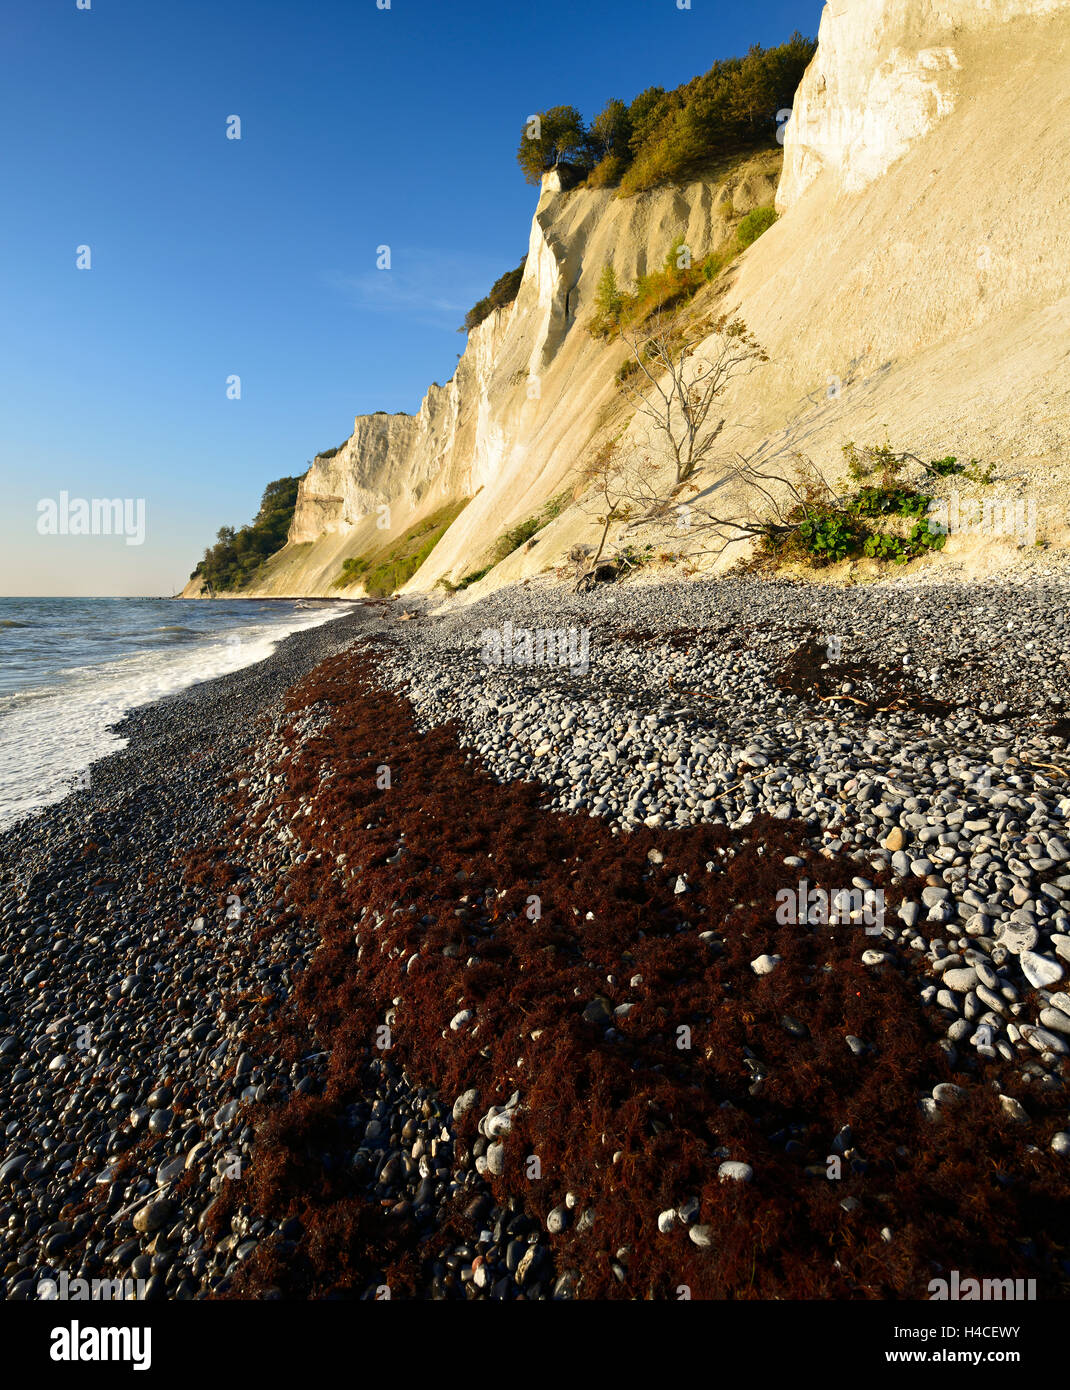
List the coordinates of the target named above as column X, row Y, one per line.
column 679, row 371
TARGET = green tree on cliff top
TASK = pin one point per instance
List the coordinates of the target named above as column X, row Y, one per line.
column 549, row 137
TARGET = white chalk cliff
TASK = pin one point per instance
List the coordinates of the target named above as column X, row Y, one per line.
column 917, row 284
column 884, row 75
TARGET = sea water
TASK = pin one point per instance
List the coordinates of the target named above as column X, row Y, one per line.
column 70, row 668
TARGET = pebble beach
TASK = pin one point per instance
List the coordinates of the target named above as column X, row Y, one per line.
column 403, row 964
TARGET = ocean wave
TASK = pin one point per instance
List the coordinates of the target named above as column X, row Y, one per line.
column 52, row 731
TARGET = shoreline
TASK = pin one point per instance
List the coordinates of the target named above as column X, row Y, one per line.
column 69, row 715
column 223, row 1022
column 274, row 598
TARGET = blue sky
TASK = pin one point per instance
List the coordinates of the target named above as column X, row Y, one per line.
column 256, row 257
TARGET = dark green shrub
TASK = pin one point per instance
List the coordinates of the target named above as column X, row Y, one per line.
column 627, row 369
column 515, row 537
column 233, row 562
column 882, row 546
column 925, row 536
column 753, row 225
column 828, row 538
column 474, row 577
column 888, row 501
column 947, row 467
column 352, row 569
column 520, row 534
column 504, row 290
column 609, row 301
column 823, row 529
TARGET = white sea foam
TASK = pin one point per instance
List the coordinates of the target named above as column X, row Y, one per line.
column 50, row 734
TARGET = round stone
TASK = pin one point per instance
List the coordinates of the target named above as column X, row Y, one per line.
column 1016, row 936
column 464, row 1102
column 1014, row 1110
column 557, row 1220
column 1041, row 971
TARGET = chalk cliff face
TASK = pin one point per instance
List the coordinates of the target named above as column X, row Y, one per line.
column 883, row 76
column 526, row 399
column 404, row 461
column 916, row 286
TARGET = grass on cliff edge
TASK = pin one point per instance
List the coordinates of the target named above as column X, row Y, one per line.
column 678, row 281
column 513, row 539
column 387, row 569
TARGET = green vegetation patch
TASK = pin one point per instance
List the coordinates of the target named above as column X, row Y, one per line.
column 352, row 570
column 517, row 535
column 675, row 284
column 881, row 461
column 821, row 529
column 233, row 562
column 666, row 137
column 384, row 571
column 819, row 535
column 513, row 539
column 753, row 224
column 504, row 290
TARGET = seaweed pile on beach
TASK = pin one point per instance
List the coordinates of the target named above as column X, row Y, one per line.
column 586, row 1007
